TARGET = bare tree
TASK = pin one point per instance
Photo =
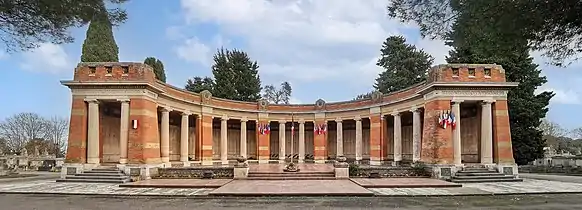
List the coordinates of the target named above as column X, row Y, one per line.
column 278, row 96
column 576, row 133
column 550, row 128
column 56, row 131
column 17, row 130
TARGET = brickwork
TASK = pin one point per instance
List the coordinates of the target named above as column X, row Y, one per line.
column 502, row 149
column 206, row 138
column 320, row 142
column 446, row 73
column 143, row 142
column 263, row 141
column 77, row 144
column 437, row 144
column 376, row 137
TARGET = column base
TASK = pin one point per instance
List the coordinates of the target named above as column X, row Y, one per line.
column 123, row 161
column 396, row 163
column 375, row 162
column 93, row 160
column 301, row 161
column 165, row 159
column 320, row 161
column 282, row 161
column 224, row 162
column 186, row 163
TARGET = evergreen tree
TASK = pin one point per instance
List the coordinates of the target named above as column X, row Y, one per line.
column 480, row 41
column 404, row 65
column 100, row 46
column 158, row 67
column 199, row 84
column 236, row 77
column 25, row 24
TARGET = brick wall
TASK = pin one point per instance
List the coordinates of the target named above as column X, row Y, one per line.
column 77, row 143
column 502, row 149
column 437, row 144
column 143, row 142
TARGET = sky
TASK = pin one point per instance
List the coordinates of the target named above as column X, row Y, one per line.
column 325, row 48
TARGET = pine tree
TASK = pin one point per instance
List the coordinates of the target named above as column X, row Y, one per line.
column 158, row 67
column 236, row 77
column 479, row 41
column 403, row 64
column 199, row 84
column 100, row 46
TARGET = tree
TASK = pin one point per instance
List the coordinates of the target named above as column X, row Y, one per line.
column 479, row 40
column 550, row 128
column 26, row 24
column 17, row 130
column 199, row 84
column 56, row 133
column 236, row 77
column 278, row 96
column 158, row 67
column 100, row 46
column 403, row 64
column 551, row 26
column 363, row 96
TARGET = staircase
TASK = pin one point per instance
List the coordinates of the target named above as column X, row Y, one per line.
column 98, row 175
column 481, row 175
column 320, row 175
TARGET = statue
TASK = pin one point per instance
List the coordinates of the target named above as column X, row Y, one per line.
column 36, row 152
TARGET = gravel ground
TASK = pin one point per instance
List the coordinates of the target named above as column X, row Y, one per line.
column 529, row 202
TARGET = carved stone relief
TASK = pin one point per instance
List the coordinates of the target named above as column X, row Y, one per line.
column 263, row 104
column 206, row 96
column 377, row 96
column 320, row 104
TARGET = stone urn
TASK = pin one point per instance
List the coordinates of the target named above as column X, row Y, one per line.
column 291, row 167
column 341, row 162
column 241, row 161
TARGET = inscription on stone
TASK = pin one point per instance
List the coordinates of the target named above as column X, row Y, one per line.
column 508, row 170
column 445, row 171
column 134, row 171
column 71, row 170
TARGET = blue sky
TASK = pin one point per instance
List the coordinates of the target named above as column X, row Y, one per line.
column 325, row 49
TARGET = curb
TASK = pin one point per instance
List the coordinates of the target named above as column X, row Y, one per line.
column 234, row 196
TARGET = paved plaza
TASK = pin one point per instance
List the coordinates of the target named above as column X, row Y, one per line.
column 528, row 186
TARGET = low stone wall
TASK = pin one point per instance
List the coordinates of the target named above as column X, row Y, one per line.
column 550, row 169
column 388, row 171
column 194, row 173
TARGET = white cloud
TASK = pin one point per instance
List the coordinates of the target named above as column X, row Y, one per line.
column 47, row 57
column 562, row 96
column 304, row 40
column 3, row 54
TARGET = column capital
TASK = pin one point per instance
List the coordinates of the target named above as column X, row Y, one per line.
column 224, row 118
column 339, row 120
column 167, row 109
column 123, row 100
column 186, row 113
column 395, row 113
column 244, row 119
column 414, row 109
column 358, row 118
column 457, row 101
column 282, row 121
column 92, row 100
column 301, row 121
column 487, row 101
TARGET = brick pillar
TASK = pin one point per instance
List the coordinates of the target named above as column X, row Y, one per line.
column 206, row 139
column 320, row 143
column 375, row 139
column 384, row 141
column 77, row 142
column 198, row 136
column 143, row 142
column 502, row 149
column 437, row 143
column 263, row 140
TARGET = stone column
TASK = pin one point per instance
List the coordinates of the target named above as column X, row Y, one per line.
column 416, row 133
column 340, row 141
column 282, row 140
column 486, row 133
column 358, row 138
column 184, row 131
column 397, row 138
column 165, row 138
column 123, row 130
column 243, row 137
column 457, row 147
column 301, row 141
column 224, row 140
column 93, row 132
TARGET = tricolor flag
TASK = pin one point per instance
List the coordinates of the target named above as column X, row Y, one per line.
column 324, row 128
column 453, row 120
column 268, row 130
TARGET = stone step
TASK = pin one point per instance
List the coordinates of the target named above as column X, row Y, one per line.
column 100, row 174
column 500, row 176
column 290, row 178
column 301, row 172
column 291, row 175
column 93, row 180
column 105, row 169
column 477, row 170
column 477, row 174
column 97, row 177
column 484, row 180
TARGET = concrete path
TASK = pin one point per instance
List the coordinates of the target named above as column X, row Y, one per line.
column 291, row 188
column 528, row 186
column 552, row 177
column 39, row 176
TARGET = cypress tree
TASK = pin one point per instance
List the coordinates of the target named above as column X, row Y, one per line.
column 235, row 76
column 158, row 67
column 99, row 45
